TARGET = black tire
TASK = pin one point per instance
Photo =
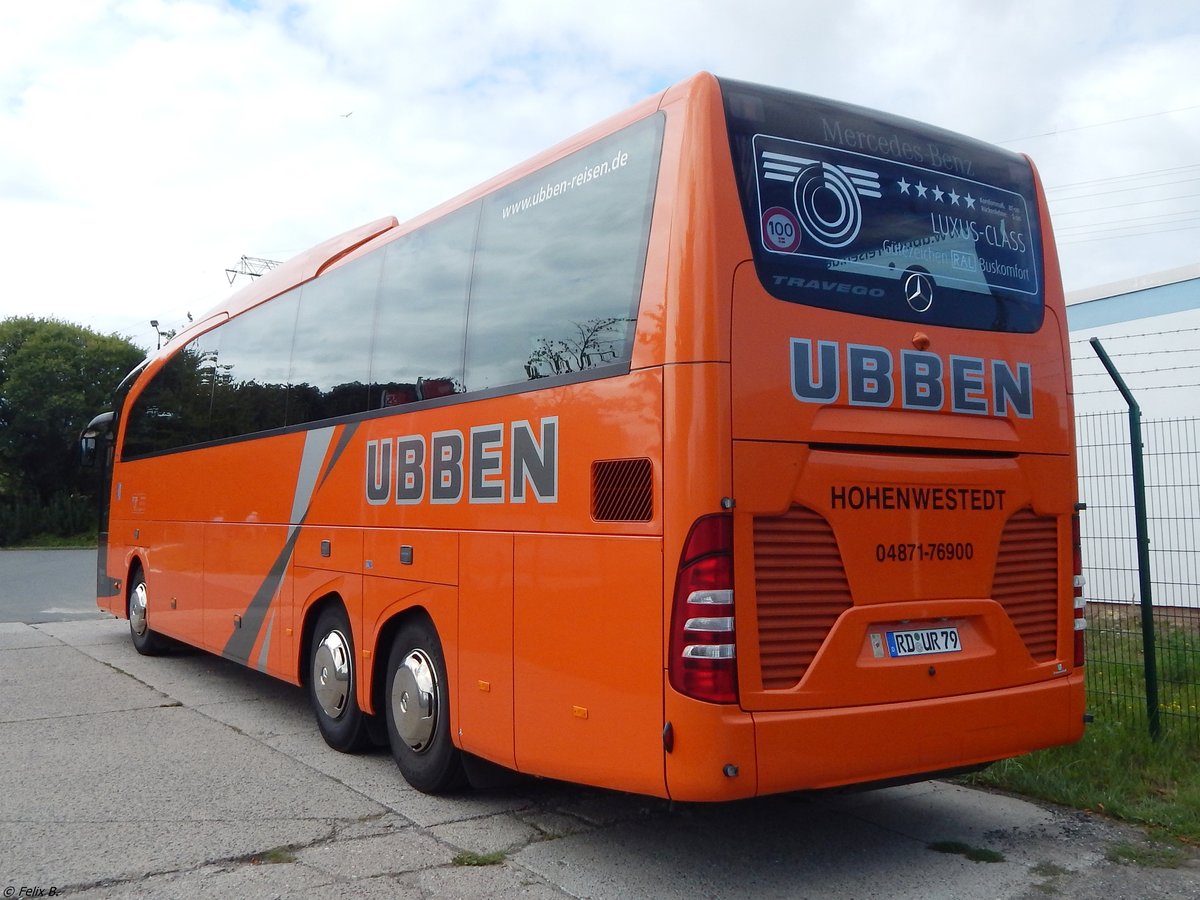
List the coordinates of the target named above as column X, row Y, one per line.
column 146, row 641
column 333, row 682
column 417, row 705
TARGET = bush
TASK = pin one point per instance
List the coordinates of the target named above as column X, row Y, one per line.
column 64, row 516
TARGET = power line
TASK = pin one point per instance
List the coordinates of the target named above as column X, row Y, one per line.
column 1140, row 187
column 1058, row 131
column 1153, row 231
column 1091, row 209
column 1150, row 174
column 1123, row 223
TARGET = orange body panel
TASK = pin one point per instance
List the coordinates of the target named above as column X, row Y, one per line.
column 540, row 527
column 587, row 664
column 486, row 687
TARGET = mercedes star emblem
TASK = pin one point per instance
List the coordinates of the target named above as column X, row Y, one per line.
column 918, row 291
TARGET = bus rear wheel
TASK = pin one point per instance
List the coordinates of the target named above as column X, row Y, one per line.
column 332, row 682
column 417, row 704
column 145, row 640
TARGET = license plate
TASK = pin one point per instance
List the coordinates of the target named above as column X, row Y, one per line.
column 923, row 641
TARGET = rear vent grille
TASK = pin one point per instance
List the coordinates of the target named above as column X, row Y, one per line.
column 802, row 589
column 622, row 490
column 1026, row 581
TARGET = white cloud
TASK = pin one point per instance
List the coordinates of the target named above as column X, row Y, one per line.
column 147, row 144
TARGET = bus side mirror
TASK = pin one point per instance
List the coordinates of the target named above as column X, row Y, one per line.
column 100, row 428
column 87, row 451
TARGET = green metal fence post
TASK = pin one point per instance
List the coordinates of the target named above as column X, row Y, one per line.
column 1143, row 540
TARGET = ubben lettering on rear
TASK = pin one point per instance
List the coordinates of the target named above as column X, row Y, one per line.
column 827, row 372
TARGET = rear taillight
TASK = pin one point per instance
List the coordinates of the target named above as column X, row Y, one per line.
column 703, row 662
column 1078, row 583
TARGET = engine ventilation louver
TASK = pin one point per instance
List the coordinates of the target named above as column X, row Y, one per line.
column 801, row 590
column 622, row 490
column 1026, row 581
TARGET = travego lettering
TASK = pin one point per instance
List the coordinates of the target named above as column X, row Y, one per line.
column 838, row 287
column 492, row 464
column 868, row 376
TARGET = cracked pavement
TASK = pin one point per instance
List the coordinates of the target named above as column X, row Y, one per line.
column 189, row 776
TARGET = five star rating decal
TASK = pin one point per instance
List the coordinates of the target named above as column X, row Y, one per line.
column 938, row 194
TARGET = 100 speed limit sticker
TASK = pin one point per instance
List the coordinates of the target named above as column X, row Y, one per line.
column 781, row 230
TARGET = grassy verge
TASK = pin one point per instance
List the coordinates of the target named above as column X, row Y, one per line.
column 1117, row 770
column 55, row 542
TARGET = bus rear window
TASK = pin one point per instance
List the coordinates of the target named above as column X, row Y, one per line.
column 859, row 211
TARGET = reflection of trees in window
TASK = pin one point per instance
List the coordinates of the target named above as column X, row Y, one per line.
column 596, row 342
column 551, row 291
column 329, row 367
column 556, row 284
column 173, row 409
column 309, row 403
column 252, row 369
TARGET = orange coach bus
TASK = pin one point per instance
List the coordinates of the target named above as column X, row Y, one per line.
column 724, row 449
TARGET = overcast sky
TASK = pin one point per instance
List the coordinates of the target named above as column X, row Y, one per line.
column 146, row 145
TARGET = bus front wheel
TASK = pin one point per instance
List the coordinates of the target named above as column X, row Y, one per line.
column 145, row 640
column 418, row 711
column 332, row 681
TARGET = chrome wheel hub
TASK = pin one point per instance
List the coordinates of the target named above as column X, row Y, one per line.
column 333, row 676
column 415, row 700
column 137, row 609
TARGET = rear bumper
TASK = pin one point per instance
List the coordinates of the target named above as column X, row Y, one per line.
column 827, row 748
column 721, row 753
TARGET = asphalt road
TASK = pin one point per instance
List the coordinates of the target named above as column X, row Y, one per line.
column 189, row 776
column 47, row 586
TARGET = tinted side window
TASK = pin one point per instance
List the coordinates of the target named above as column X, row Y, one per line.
column 173, row 409
column 252, row 369
column 418, row 345
column 329, row 371
column 559, row 263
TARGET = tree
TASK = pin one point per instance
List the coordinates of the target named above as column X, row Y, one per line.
column 54, row 377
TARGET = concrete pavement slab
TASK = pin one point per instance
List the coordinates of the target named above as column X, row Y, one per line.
column 80, row 685
column 406, row 850
column 89, row 632
column 188, row 776
column 375, row 774
column 261, row 717
column 785, row 847
column 224, row 880
column 489, row 834
column 118, row 794
column 18, row 636
column 461, row 882
column 131, row 761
